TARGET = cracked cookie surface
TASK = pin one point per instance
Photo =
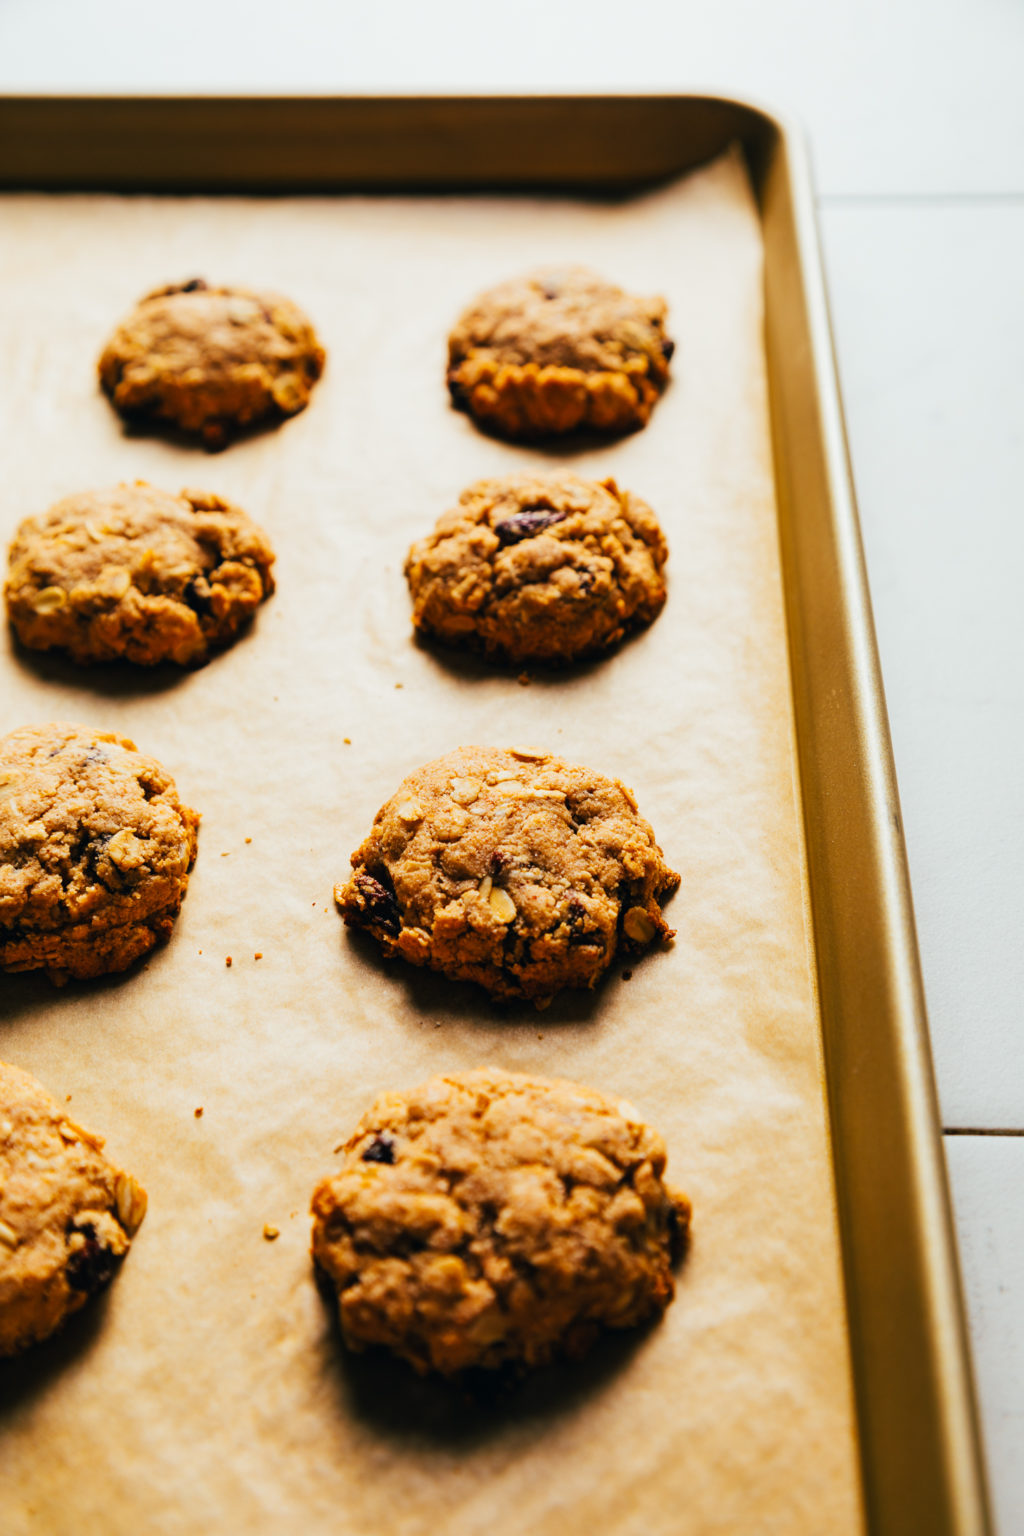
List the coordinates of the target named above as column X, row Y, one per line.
column 95, row 851
column 67, row 1214
column 539, row 568
column 558, row 350
column 513, row 869
column 211, row 361
column 490, row 1217
column 135, row 573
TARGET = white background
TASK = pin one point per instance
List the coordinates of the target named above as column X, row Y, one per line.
column 915, row 114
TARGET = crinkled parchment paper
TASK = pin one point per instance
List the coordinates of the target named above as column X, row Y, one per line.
column 208, row 1391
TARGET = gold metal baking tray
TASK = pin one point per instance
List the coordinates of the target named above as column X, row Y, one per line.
column 921, row 1460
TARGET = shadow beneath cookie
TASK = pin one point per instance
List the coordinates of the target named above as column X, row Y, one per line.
column 463, row 1003
column 30, row 1375
column 468, row 665
column 111, row 679
column 569, row 445
column 29, row 992
column 467, row 1412
column 167, row 433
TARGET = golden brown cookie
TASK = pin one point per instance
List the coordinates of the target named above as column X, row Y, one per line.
column 211, row 361
column 536, row 568
column 558, row 350
column 67, row 1214
column 138, row 574
column 513, row 869
column 95, row 851
column 489, row 1217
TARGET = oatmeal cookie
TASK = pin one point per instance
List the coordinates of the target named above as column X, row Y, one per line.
column 67, row 1214
column 491, row 1217
column 211, row 361
column 138, row 574
column 512, row 869
column 95, row 851
column 557, row 350
column 534, row 568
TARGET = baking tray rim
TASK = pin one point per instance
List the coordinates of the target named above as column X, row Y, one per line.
column 935, row 1483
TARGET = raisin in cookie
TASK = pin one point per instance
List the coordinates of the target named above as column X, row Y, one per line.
column 490, row 1217
column 67, row 1215
column 95, row 851
column 558, row 350
column 539, row 569
column 138, row 574
column 512, row 869
column 211, row 361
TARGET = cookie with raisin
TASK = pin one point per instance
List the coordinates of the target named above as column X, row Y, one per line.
column 95, row 851
column 211, row 361
column 67, row 1213
column 136, row 574
column 489, row 1218
column 512, row 869
column 556, row 351
column 534, row 568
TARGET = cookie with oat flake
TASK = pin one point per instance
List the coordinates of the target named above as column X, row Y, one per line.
column 136, row 574
column 512, row 869
column 557, row 351
column 211, row 361
column 491, row 1218
column 67, row 1214
column 95, row 851
column 539, row 568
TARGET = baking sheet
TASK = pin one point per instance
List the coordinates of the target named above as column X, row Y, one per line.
column 208, row 1391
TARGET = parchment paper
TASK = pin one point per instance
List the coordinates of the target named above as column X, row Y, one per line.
column 209, row 1392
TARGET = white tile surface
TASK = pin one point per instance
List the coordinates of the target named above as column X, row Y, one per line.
column 929, row 314
column 987, row 1174
column 900, row 96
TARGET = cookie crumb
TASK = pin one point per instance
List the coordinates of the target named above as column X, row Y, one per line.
column 198, row 1111
column 627, row 975
column 270, row 1232
column 225, row 855
column 258, row 955
column 67, row 1098
column 524, row 679
column 248, row 839
column 227, row 960
column 347, row 740
column 399, row 685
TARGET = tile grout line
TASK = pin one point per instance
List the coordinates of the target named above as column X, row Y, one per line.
column 920, row 199
column 981, row 1130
